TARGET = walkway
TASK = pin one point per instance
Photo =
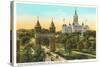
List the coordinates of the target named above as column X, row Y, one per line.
column 84, row 53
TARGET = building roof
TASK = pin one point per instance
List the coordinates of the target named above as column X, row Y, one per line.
column 38, row 23
column 52, row 23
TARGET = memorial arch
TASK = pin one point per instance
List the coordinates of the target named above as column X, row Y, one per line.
column 50, row 35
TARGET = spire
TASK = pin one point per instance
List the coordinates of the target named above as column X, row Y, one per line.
column 64, row 20
column 52, row 19
column 37, row 18
column 75, row 18
column 38, row 26
column 75, row 12
column 52, row 27
column 38, row 23
column 52, row 23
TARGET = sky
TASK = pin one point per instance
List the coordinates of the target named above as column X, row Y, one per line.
column 27, row 15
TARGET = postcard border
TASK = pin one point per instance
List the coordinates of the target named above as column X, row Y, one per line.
column 14, row 33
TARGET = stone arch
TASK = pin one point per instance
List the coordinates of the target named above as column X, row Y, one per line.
column 51, row 38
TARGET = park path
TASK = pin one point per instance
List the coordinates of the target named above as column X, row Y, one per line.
column 77, row 52
column 54, row 56
column 48, row 58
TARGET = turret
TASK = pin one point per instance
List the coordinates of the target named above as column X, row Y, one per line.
column 52, row 27
column 75, row 18
column 37, row 26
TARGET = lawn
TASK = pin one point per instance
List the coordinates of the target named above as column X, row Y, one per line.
column 73, row 55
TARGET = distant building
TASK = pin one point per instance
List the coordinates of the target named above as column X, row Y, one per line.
column 75, row 26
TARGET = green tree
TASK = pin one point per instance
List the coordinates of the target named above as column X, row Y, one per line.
column 69, row 46
column 25, row 40
column 28, row 53
column 39, row 55
column 18, row 50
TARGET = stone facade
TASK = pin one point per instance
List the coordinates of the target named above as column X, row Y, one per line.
column 75, row 26
column 50, row 36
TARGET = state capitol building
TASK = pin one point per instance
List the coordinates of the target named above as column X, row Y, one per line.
column 75, row 26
